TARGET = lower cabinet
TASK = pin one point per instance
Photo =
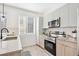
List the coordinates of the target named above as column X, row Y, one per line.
column 41, row 40
column 60, row 50
column 14, row 53
column 64, row 48
column 70, row 51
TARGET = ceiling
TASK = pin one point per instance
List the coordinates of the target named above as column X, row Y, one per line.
column 38, row 7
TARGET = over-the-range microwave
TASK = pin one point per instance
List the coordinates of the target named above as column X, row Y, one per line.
column 54, row 23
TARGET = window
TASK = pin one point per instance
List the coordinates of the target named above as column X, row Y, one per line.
column 30, row 24
column 27, row 24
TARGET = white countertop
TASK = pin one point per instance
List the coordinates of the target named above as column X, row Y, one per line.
column 10, row 46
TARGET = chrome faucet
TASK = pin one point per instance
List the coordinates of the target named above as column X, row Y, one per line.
column 2, row 30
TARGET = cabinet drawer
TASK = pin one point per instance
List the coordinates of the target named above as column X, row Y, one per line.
column 70, row 51
column 66, row 48
column 66, row 43
column 70, row 44
column 59, row 49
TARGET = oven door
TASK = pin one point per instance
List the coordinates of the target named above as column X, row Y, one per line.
column 50, row 47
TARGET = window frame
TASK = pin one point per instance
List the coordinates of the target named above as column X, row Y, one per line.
column 24, row 25
column 33, row 25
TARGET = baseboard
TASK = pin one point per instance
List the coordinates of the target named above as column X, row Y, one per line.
column 28, row 46
column 40, row 46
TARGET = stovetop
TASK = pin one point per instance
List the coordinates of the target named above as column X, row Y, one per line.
column 51, row 39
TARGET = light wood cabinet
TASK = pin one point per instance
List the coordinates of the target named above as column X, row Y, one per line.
column 70, row 51
column 60, row 50
column 64, row 48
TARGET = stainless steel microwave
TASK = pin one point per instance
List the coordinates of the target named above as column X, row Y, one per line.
column 54, row 23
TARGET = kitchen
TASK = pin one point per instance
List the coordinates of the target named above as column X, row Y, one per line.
column 51, row 32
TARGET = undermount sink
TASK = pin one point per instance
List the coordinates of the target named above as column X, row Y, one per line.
column 5, row 40
column 9, row 38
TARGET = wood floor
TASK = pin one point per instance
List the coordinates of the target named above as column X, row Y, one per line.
column 35, row 51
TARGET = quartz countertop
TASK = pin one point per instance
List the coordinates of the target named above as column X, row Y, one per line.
column 10, row 45
column 68, row 39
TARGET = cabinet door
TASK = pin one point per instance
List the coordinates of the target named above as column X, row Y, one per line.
column 63, row 13
column 12, row 45
column 60, row 50
column 41, row 42
column 40, row 25
column 45, row 23
column 72, row 15
column 70, row 51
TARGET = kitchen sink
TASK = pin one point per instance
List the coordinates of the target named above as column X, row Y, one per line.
column 9, row 38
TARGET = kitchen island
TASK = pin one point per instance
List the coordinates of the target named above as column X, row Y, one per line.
column 11, row 47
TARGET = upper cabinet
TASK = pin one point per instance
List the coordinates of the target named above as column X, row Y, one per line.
column 68, row 14
column 72, row 14
column 63, row 13
column 40, row 25
column 45, row 22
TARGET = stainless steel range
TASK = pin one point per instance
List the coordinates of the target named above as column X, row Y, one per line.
column 50, row 45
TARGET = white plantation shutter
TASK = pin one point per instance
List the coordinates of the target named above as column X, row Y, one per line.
column 30, row 24
column 27, row 25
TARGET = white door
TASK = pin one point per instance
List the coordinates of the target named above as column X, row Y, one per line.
column 27, row 30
